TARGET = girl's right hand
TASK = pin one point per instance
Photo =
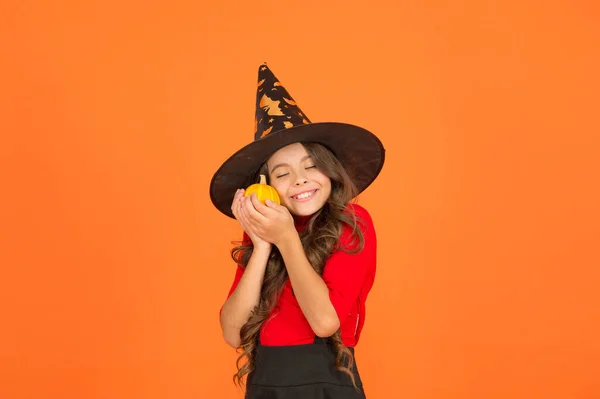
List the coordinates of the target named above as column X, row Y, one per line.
column 236, row 208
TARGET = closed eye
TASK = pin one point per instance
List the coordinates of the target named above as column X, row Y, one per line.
column 313, row 166
column 282, row 175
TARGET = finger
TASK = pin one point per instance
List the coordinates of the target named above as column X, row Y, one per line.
column 236, row 199
column 239, row 194
column 235, row 209
column 245, row 209
column 244, row 222
column 247, row 224
column 274, row 206
column 253, row 215
column 260, row 207
column 241, row 210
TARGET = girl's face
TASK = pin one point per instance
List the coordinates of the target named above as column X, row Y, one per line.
column 303, row 189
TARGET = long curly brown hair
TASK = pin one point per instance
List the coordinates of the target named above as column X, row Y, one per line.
column 320, row 238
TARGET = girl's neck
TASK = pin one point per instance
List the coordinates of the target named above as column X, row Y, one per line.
column 301, row 221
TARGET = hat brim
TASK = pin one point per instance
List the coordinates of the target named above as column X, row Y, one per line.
column 360, row 152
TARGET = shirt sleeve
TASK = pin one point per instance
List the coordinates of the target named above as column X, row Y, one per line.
column 345, row 274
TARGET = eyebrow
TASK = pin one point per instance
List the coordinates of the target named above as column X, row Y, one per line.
column 285, row 164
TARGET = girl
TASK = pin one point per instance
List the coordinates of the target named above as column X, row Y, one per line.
column 296, row 307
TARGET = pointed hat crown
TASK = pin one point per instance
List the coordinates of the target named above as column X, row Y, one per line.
column 275, row 108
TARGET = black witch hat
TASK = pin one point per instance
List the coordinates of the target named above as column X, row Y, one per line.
column 279, row 122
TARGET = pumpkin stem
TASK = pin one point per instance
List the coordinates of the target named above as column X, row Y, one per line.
column 263, row 179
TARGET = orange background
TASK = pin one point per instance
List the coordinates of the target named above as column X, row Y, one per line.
column 114, row 116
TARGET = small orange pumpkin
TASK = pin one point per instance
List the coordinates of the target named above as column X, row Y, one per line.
column 263, row 191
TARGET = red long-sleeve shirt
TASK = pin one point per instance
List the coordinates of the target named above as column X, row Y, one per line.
column 349, row 278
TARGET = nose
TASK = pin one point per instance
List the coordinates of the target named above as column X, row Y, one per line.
column 301, row 180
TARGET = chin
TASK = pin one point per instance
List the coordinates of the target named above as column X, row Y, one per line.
column 305, row 210
column 304, row 213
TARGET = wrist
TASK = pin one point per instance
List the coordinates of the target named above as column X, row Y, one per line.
column 262, row 248
column 288, row 241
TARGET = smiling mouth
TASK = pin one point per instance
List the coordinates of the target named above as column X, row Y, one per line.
column 305, row 195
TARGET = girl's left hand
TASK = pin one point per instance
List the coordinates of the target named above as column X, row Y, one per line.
column 272, row 222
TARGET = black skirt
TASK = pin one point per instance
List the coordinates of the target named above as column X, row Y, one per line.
column 301, row 372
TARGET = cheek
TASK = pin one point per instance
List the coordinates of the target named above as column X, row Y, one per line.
column 328, row 189
column 325, row 182
column 281, row 189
